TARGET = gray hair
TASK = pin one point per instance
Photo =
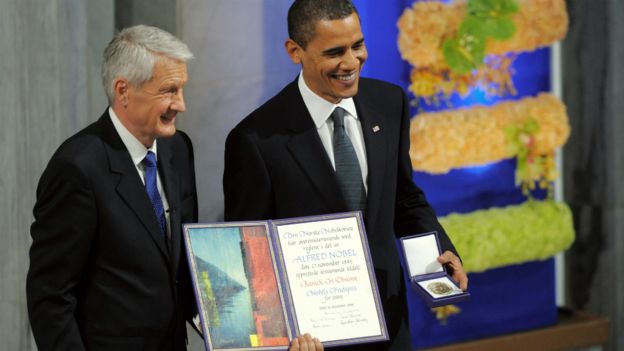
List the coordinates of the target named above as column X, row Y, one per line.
column 133, row 52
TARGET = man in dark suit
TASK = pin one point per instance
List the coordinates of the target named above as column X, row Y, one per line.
column 107, row 263
column 287, row 158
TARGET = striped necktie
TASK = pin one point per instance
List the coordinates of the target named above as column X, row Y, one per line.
column 348, row 171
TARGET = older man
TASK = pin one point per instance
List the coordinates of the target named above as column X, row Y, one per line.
column 333, row 141
column 107, row 266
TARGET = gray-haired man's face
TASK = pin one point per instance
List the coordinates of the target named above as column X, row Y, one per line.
column 149, row 111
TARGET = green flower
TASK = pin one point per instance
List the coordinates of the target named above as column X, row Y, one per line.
column 465, row 53
column 485, row 19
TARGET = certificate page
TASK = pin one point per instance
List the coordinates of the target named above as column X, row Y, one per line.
column 330, row 280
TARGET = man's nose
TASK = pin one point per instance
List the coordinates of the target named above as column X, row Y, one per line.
column 350, row 61
column 178, row 103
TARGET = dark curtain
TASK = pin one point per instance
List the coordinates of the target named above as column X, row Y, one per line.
column 593, row 170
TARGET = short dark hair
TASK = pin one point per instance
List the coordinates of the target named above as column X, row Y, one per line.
column 303, row 15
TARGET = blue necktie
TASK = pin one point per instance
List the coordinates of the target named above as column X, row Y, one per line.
column 348, row 170
column 152, row 190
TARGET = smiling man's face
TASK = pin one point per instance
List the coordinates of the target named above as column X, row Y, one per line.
column 150, row 110
column 333, row 58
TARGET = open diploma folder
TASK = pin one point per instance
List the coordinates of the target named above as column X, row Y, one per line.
column 260, row 283
column 427, row 275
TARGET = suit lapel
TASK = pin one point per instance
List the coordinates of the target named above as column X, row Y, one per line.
column 376, row 150
column 317, row 167
column 170, row 179
column 129, row 186
column 306, row 147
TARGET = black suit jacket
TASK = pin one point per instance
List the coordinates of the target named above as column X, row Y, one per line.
column 277, row 167
column 102, row 276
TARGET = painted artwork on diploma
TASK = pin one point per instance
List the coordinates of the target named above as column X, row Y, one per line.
column 238, row 288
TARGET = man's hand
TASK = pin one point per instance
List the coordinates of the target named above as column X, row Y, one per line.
column 305, row 343
column 455, row 269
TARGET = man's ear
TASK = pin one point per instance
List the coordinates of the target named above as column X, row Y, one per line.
column 294, row 51
column 121, row 88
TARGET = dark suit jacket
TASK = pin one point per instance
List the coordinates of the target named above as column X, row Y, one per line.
column 277, row 167
column 101, row 275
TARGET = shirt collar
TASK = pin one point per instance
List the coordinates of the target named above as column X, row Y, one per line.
column 136, row 149
column 319, row 108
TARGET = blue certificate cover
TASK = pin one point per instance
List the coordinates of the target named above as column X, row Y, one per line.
column 260, row 283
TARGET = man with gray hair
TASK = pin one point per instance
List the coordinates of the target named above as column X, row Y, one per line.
column 107, row 266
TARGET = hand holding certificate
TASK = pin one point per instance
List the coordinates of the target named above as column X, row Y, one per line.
column 305, row 342
column 258, row 284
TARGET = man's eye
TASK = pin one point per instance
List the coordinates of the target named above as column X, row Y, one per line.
column 334, row 53
column 357, row 46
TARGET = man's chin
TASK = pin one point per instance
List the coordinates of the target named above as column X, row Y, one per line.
column 349, row 93
column 167, row 131
column 349, row 90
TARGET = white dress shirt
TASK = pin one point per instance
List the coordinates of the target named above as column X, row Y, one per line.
column 321, row 110
column 137, row 152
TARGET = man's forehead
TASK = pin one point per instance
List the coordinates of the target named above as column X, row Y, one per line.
column 165, row 73
column 338, row 29
column 169, row 67
column 168, row 62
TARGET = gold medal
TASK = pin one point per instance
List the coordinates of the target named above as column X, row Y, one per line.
column 439, row 288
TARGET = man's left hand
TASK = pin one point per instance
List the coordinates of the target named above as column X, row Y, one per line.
column 456, row 269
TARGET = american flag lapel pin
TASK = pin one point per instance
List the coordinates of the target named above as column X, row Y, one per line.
column 376, row 129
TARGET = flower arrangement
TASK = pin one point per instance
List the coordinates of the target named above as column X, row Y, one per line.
column 441, row 141
column 428, row 27
column 443, row 313
column 497, row 237
column 485, row 20
column 494, row 76
column 531, row 168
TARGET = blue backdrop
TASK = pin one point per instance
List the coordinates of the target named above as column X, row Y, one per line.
column 503, row 300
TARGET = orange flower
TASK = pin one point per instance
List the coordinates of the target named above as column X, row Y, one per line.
column 424, row 27
column 441, row 141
